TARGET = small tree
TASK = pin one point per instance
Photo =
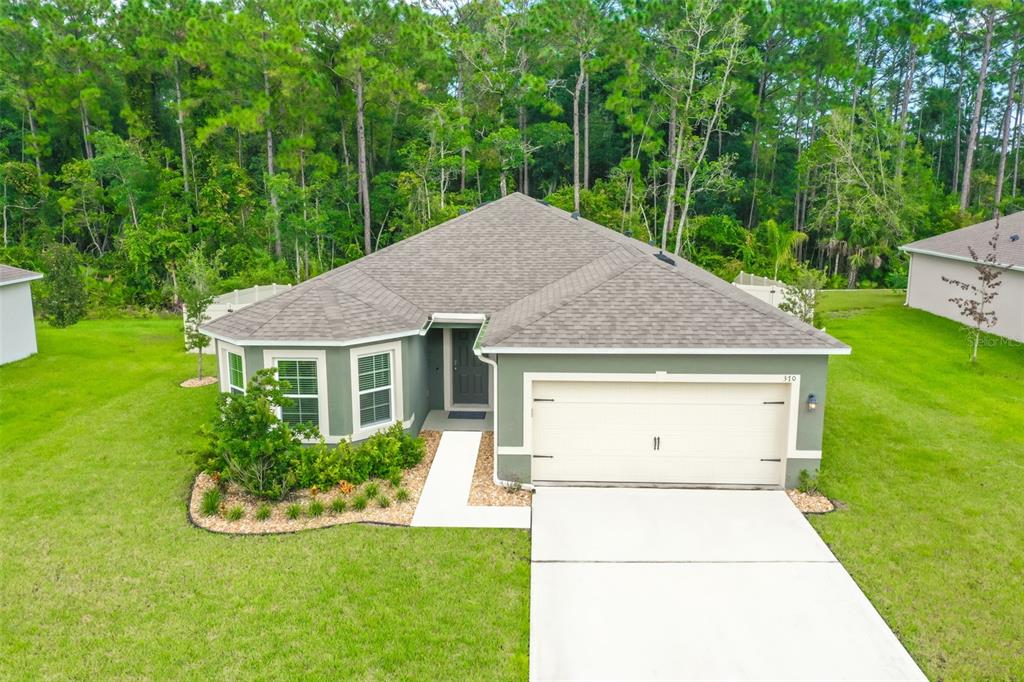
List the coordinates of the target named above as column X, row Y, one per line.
column 800, row 299
column 197, row 278
column 64, row 301
column 976, row 307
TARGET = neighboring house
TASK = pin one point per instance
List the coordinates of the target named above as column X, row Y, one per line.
column 771, row 291
column 17, row 325
column 601, row 359
column 236, row 300
column 947, row 255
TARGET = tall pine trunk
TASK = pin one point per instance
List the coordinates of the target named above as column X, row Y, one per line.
column 364, row 180
column 274, row 214
column 576, row 137
column 181, row 128
column 1007, row 115
column 586, row 132
column 972, row 139
column 908, row 85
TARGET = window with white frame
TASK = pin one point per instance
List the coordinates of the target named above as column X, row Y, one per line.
column 303, row 391
column 375, row 389
column 236, row 373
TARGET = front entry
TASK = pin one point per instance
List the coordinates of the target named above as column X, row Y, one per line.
column 469, row 374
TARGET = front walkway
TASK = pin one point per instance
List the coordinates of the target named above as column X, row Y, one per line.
column 660, row 584
column 444, row 501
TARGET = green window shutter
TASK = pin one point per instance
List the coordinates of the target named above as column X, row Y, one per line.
column 236, row 378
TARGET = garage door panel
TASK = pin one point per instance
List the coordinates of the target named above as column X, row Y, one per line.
column 708, row 433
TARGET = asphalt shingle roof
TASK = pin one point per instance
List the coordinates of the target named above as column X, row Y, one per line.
column 1009, row 251
column 10, row 275
column 543, row 278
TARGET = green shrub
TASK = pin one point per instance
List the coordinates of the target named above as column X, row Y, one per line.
column 235, row 513
column 249, row 445
column 359, row 502
column 339, row 505
column 401, row 495
column 211, row 502
column 383, row 501
column 293, row 511
column 371, row 490
column 395, row 478
column 315, row 509
column 64, row 299
column 806, row 482
column 263, row 512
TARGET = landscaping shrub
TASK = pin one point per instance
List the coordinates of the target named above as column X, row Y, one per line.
column 249, row 445
column 360, row 502
column 395, row 478
column 315, row 509
column 293, row 511
column 211, row 502
column 339, row 505
column 371, row 490
column 383, row 501
column 263, row 512
column 235, row 513
column 401, row 495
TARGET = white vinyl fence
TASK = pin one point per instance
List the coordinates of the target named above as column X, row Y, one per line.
column 771, row 291
column 236, row 300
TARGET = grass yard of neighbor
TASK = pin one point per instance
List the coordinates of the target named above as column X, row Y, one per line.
column 927, row 451
column 101, row 576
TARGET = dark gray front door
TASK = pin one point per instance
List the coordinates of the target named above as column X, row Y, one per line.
column 469, row 375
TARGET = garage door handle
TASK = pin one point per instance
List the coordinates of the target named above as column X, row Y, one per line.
column 543, row 456
column 543, row 400
column 777, row 459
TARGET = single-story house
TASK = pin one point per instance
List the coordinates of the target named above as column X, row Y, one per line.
column 948, row 255
column 598, row 358
column 17, row 324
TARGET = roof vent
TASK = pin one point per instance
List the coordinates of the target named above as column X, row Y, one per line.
column 1014, row 237
column 575, row 215
column 663, row 258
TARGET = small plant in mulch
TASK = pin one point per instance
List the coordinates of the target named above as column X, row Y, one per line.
column 395, row 478
column 383, row 501
column 339, row 505
column 371, row 490
column 315, row 509
column 345, row 488
column 235, row 513
column 211, row 502
column 807, row 484
column 360, row 501
column 402, row 495
column 263, row 512
column 293, row 512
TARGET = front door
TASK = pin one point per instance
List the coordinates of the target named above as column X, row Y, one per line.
column 469, row 374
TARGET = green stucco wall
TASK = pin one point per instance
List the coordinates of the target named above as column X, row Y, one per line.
column 812, row 369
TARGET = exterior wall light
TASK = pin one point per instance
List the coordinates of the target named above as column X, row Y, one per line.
column 812, row 402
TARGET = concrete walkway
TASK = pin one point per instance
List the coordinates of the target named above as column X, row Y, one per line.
column 658, row 584
column 444, row 501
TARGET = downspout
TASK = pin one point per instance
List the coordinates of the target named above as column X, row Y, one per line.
column 477, row 344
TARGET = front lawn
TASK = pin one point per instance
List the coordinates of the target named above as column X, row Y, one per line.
column 927, row 451
column 102, row 577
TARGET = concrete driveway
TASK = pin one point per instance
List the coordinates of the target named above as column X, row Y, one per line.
column 657, row 584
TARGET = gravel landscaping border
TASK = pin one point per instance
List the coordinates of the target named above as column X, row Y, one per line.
column 811, row 503
column 397, row 514
column 196, row 383
column 484, row 492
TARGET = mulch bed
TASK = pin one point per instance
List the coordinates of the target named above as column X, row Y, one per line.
column 811, row 503
column 485, row 492
column 195, row 383
column 399, row 513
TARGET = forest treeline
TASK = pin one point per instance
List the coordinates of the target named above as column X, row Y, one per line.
column 283, row 138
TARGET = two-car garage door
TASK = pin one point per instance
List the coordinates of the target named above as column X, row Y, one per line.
column 722, row 433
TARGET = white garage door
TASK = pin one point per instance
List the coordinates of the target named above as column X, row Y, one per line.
column 660, row 432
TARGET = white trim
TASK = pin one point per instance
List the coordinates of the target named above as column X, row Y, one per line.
column 806, row 454
column 30, row 278
column 792, row 379
column 965, row 259
column 910, row 273
column 397, row 379
column 223, row 348
column 270, row 359
column 455, row 318
column 512, row 350
column 278, row 343
column 446, row 355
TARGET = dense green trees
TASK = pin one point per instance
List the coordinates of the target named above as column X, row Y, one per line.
column 286, row 138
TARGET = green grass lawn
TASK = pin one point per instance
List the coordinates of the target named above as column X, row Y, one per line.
column 927, row 451
column 102, row 577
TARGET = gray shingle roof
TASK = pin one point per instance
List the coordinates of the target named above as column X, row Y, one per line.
column 12, row 275
column 543, row 278
column 1009, row 251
